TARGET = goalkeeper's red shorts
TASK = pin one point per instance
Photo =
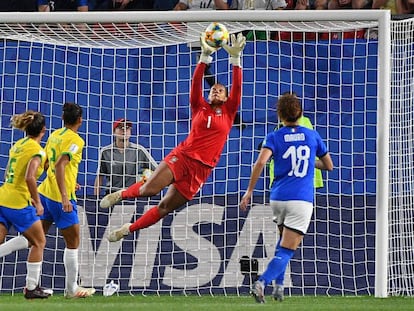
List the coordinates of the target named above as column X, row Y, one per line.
column 189, row 174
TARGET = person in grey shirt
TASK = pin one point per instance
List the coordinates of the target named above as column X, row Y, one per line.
column 122, row 161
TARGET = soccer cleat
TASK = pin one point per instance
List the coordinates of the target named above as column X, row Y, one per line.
column 119, row 234
column 111, row 199
column 81, row 292
column 278, row 292
column 257, row 291
column 37, row 293
column 48, row 291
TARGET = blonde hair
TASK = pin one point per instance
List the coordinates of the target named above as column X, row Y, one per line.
column 31, row 122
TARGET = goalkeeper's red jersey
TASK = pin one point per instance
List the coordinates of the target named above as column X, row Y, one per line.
column 210, row 127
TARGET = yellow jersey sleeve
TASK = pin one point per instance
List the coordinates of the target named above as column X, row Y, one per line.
column 14, row 193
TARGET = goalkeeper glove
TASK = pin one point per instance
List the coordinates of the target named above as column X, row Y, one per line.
column 236, row 48
column 206, row 51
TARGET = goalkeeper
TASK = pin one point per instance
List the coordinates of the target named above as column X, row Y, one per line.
column 187, row 166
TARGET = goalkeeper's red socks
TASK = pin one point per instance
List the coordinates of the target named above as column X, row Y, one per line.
column 132, row 191
column 149, row 218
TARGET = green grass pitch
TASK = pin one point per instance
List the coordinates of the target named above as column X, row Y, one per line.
column 196, row 303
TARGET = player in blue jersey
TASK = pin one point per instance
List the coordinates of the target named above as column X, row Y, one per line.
column 294, row 149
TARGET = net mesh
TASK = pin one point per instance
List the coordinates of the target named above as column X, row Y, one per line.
column 401, row 226
column 142, row 71
column 140, row 35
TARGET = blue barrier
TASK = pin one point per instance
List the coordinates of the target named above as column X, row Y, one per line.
column 95, row 79
column 331, row 259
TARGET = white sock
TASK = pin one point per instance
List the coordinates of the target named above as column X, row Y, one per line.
column 33, row 274
column 12, row 245
column 70, row 260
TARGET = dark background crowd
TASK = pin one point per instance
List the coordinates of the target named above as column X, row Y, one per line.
column 397, row 7
column 84, row 5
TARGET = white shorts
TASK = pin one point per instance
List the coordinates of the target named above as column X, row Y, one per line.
column 295, row 215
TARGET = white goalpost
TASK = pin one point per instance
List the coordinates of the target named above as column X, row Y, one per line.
column 354, row 74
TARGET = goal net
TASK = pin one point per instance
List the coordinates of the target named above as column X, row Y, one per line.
column 138, row 66
column 401, row 225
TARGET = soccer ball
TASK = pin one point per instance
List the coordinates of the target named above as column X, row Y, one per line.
column 216, row 34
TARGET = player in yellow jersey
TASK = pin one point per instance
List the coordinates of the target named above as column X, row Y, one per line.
column 57, row 192
column 20, row 204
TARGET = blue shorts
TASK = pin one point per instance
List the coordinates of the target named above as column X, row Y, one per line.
column 20, row 219
column 54, row 213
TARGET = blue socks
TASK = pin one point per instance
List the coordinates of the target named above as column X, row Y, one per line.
column 277, row 265
column 281, row 278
